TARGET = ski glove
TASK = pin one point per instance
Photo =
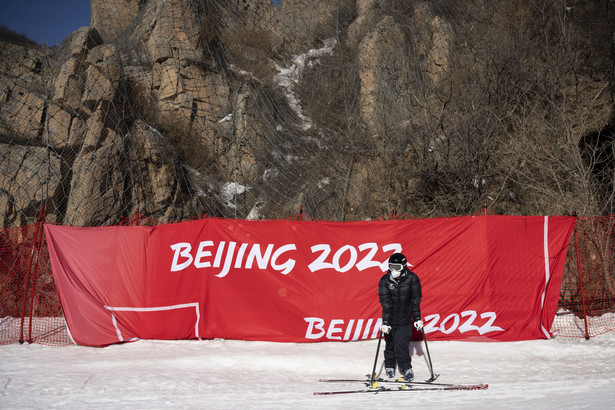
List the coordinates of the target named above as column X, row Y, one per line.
column 418, row 324
column 386, row 329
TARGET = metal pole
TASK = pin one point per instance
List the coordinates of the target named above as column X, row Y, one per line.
column 37, row 247
column 576, row 245
column 433, row 376
column 372, row 377
column 27, row 279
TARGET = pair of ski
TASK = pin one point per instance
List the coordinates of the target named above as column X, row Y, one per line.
column 373, row 386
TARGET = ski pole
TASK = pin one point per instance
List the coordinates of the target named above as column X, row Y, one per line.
column 373, row 375
column 433, row 376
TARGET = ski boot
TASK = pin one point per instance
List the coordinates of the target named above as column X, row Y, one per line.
column 408, row 375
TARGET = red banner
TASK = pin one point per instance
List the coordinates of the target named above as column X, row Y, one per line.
column 483, row 277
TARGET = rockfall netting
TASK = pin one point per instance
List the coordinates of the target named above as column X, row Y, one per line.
column 347, row 108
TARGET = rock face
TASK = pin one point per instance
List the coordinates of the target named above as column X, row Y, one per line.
column 250, row 108
column 30, row 176
column 384, row 74
column 111, row 18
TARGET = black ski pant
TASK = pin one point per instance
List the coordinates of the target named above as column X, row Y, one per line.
column 397, row 348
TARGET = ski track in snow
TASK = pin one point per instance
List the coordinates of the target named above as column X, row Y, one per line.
column 560, row 373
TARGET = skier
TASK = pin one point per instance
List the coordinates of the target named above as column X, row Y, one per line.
column 400, row 295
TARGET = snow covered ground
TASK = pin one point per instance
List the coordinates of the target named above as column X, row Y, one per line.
column 561, row 373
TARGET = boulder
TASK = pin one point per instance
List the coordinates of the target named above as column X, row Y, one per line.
column 102, row 76
column 68, row 84
column 23, row 64
column 29, row 175
column 150, row 157
column 168, row 29
column 432, row 42
column 112, row 17
column 80, row 41
column 21, row 112
column 97, row 183
column 62, row 128
column 384, row 72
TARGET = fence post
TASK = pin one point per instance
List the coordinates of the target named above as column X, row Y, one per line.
column 576, row 245
column 27, row 279
column 37, row 249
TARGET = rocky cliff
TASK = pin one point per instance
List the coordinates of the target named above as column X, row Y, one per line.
column 349, row 109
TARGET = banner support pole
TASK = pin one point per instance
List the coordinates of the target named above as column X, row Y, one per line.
column 576, row 245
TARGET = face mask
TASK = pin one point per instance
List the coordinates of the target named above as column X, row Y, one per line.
column 395, row 274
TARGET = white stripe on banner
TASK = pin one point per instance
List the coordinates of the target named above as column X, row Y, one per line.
column 547, row 273
column 195, row 305
column 68, row 331
column 117, row 329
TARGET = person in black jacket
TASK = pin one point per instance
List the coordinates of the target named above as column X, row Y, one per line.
column 400, row 295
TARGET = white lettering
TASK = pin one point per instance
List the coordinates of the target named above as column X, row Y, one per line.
column 357, row 330
column 333, row 329
column 455, row 318
column 487, row 327
column 349, row 329
column 243, row 256
column 318, row 328
column 368, row 261
column 240, row 253
column 181, row 249
column 320, row 263
column 468, row 326
column 324, row 250
column 367, row 326
column 228, row 260
column 219, row 253
column 228, row 255
column 232, row 256
column 287, row 266
column 338, row 255
column 261, row 259
column 430, row 325
column 201, row 253
column 314, row 323
column 377, row 327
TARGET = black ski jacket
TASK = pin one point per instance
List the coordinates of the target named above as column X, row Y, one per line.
column 400, row 299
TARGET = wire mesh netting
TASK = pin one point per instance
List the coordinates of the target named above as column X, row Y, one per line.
column 29, row 304
column 588, row 286
column 347, row 108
